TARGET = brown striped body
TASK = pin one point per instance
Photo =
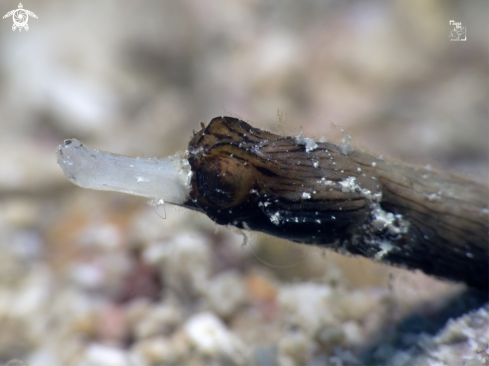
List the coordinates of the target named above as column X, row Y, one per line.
column 325, row 194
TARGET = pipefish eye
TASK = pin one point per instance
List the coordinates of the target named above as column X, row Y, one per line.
column 224, row 182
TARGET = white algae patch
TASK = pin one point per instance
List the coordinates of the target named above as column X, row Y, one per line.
column 309, row 143
column 387, row 220
column 385, row 247
column 433, row 197
column 349, row 185
column 275, row 218
column 381, row 221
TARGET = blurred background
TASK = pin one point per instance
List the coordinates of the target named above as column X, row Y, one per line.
column 99, row 278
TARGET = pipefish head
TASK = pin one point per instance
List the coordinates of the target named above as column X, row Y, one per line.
column 257, row 180
column 221, row 160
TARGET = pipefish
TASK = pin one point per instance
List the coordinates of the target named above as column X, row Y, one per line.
column 314, row 193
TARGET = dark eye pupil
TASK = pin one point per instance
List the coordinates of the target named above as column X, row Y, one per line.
column 217, row 185
column 215, row 188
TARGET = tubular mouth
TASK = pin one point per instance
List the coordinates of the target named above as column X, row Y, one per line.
column 166, row 179
column 68, row 159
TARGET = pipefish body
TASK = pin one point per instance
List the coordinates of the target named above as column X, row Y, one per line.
column 316, row 193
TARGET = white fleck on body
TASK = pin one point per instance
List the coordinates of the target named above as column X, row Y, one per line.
column 275, row 218
column 309, row 144
column 433, row 197
column 387, row 220
column 167, row 179
column 385, row 247
column 381, row 220
column 348, row 184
